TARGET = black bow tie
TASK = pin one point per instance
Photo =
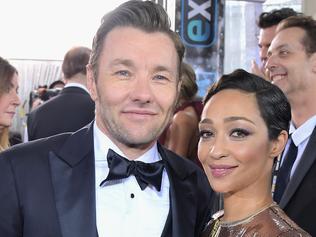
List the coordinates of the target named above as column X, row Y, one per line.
column 145, row 173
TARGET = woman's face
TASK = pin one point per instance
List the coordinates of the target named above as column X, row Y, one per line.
column 9, row 100
column 234, row 147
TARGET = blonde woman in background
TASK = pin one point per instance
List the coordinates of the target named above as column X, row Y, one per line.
column 9, row 100
column 182, row 134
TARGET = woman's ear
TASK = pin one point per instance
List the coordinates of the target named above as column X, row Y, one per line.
column 313, row 62
column 278, row 144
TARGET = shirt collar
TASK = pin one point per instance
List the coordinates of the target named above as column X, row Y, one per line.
column 303, row 132
column 102, row 143
column 75, row 84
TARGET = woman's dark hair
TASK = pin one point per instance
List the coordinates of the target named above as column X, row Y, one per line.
column 272, row 103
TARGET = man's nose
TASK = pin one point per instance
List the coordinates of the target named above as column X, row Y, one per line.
column 263, row 54
column 141, row 90
column 270, row 63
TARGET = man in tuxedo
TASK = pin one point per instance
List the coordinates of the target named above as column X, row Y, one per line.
column 268, row 22
column 292, row 67
column 72, row 108
column 112, row 178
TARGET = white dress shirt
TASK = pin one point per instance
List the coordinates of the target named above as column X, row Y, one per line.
column 300, row 137
column 122, row 208
column 75, row 84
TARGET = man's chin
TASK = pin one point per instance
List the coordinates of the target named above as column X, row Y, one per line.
column 138, row 140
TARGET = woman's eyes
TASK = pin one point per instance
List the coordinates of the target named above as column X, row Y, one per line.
column 205, row 134
column 239, row 133
column 11, row 89
column 235, row 133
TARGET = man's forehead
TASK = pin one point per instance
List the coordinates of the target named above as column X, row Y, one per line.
column 289, row 37
column 267, row 34
column 293, row 34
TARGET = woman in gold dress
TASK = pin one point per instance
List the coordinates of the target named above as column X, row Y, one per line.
column 244, row 127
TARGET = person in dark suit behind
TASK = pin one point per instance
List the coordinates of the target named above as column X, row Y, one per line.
column 292, row 66
column 72, row 108
column 112, row 178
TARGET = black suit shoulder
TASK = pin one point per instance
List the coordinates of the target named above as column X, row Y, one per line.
column 302, row 204
column 72, row 109
column 26, row 191
column 34, row 148
column 189, row 174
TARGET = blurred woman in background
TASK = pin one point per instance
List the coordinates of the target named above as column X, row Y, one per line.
column 9, row 100
column 182, row 134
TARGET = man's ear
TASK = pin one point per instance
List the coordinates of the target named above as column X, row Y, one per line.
column 91, row 82
column 278, row 144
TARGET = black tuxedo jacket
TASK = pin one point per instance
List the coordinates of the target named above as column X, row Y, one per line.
column 299, row 198
column 47, row 189
column 69, row 111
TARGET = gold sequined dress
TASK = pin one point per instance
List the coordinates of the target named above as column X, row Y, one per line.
column 270, row 221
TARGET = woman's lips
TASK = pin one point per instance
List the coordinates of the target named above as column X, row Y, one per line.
column 219, row 171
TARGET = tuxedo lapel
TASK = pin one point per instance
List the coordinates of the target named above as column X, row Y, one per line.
column 182, row 201
column 307, row 160
column 182, row 207
column 73, row 178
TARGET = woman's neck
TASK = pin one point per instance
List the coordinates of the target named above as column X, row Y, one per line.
column 240, row 207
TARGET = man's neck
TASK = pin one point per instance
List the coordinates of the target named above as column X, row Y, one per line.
column 132, row 152
column 78, row 78
column 303, row 107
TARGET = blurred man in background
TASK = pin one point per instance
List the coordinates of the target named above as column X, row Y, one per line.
column 267, row 23
column 292, row 67
column 72, row 108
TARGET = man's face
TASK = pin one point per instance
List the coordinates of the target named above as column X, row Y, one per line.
column 290, row 67
column 265, row 38
column 137, row 86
